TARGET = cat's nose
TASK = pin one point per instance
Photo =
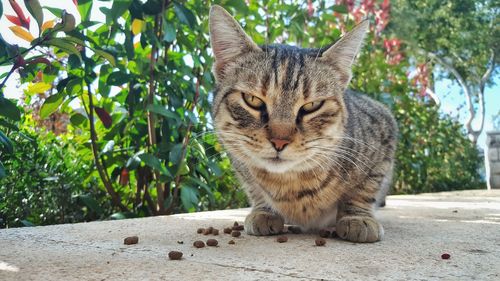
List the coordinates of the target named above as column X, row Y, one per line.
column 279, row 144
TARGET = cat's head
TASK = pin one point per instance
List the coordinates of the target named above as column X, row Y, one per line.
column 279, row 107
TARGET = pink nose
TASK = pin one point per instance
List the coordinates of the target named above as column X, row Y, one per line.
column 279, row 144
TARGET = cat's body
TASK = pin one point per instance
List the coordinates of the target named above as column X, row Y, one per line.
column 306, row 150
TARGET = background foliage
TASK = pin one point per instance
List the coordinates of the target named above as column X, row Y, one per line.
column 115, row 121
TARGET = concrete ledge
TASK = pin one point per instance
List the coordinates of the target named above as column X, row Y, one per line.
column 418, row 230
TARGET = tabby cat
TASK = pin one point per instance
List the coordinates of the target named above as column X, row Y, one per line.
column 307, row 150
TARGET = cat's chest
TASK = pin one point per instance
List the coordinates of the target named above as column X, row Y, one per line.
column 304, row 198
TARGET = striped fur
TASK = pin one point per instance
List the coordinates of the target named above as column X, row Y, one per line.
column 339, row 158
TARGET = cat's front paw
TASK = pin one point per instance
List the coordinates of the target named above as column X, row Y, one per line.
column 263, row 223
column 359, row 229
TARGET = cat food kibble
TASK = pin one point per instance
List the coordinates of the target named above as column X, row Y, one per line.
column 228, row 230
column 445, row 256
column 175, row 255
column 200, row 230
column 236, row 233
column 131, row 240
column 320, row 242
column 281, row 239
column 235, row 223
column 207, row 231
column 231, row 242
column 212, row 242
column 238, row 227
column 215, row 232
column 199, row 244
column 324, row 233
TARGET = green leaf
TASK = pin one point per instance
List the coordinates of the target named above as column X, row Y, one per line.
column 4, row 123
column 84, row 7
column 3, row 174
column 6, row 143
column 176, row 154
column 239, row 5
column 91, row 203
column 55, row 11
column 161, row 110
column 152, row 7
column 183, row 169
column 35, row 10
column 1, row 9
column 185, row 15
column 27, row 223
column 64, row 45
column 189, row 197
column 135, row 10
column 170, row 32
column 118, row 78
column 153, row 162
column 198, row 182
column 51, row 104
column 74, row 40
column 74, row 86
column 215, row 168
column 122, row 216
column 9, row 109
column 340, row 9
column 109, row 57
column 119, row 7
column 77, row 119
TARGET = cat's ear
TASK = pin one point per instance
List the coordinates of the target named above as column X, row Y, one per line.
column 227, row 38
column 344, row 51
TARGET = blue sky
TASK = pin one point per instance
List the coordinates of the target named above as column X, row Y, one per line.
column 452, row 98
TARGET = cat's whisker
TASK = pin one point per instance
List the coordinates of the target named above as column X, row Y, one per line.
column 326, row 158
column 342, row 156
column 363, row 144
column 348, row 152
column 345, row 138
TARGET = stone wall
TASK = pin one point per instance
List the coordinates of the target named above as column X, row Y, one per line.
column 493, row 159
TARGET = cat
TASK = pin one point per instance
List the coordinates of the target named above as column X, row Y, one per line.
column 307, row 150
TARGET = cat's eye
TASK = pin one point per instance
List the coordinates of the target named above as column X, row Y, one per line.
column 312, row 106
column 252, row 101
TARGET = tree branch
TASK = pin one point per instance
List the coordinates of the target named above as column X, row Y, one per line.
column 14, row 67
column 151, row 116
column 482, row 84
column 185, row 143
column 115, row 197
column 467, row 92
column 488, row 72
column 433, row 96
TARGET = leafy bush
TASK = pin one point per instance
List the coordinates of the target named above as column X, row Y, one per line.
column 44, row 183
column 143, row 85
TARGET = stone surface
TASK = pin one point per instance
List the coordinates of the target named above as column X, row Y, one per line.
column 418, row 230
column 492, row 159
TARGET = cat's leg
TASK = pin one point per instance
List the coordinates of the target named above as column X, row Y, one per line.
column 356, row 223
column 355, row 219
column 262, row 220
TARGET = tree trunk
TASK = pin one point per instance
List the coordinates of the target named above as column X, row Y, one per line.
column 471, row 132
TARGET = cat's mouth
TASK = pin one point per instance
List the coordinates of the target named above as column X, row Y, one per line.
column 275, row 159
